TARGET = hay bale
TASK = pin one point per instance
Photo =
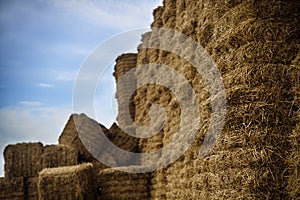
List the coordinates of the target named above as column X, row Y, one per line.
column 71, row 138
column 179, row 189
column 58, row 156
column 276, row 9
column 293, row 162
column 31, row 188
column 157, row 13
column 12, row 189
column 115, row 184
column 158, row 185
column 125, row 63
column 89, row 129
column 75, row 182
column 145, row 98
column 23, row 160
column 125, row 142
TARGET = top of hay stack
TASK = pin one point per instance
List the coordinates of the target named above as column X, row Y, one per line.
column 81, row 129
column 65, row 169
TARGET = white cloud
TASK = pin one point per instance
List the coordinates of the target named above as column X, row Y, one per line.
column 66, row 49
column 30, row 103
column 31, row 124
column 111, row 14
column 65, row 75
column 45, row 85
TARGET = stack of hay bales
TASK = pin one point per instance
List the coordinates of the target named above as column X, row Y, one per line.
column 115, row 183
column 139, row 109
column 253, row 44
column 28, row 159
column 74, row 182
column 256, row 47
column 175, row 181
column 125, row 63
column 24, row 161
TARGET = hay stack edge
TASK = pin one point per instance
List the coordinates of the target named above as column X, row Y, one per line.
column 256, row 46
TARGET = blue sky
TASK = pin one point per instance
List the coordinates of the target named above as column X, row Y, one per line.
column 42, row 46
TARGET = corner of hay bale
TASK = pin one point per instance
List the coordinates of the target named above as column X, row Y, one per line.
column 18, row 188
column 31, row 188
column 115, row 183
column 23, row 160
column 58, row 156
column 74, row 182
column 12, row 189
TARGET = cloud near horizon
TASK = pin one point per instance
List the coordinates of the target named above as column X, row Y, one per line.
column 45, row 85
column 30, row 103
column 31, row 124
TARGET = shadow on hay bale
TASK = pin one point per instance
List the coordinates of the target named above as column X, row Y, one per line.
column 120, row 185
column 70, row 136
column 89, row 129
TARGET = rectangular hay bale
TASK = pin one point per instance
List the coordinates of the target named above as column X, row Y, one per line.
column 12, row 189
column 58, row 156
column 115, row 183
column 67, row 183
column 23, row 160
